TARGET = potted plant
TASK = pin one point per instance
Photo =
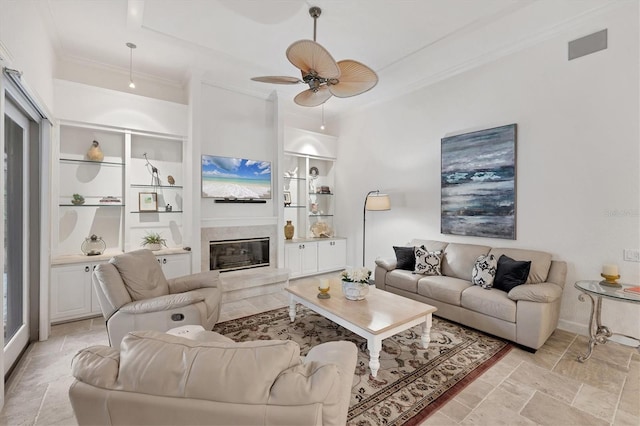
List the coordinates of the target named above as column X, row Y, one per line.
column 153, row 241
column 355, row 283
column 77, row 200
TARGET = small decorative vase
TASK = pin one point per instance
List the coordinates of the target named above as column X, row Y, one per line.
column 93, row 246
column 154, row 246
column 289, row 230
column 354, row 291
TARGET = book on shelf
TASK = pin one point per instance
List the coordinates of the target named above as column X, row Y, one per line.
column 634, row 290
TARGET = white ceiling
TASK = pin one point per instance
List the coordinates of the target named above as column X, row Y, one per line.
column 407, row 42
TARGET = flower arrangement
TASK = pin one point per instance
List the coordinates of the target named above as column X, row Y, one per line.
column 356, row 275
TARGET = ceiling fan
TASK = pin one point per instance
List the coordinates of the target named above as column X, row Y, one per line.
column 322, row 73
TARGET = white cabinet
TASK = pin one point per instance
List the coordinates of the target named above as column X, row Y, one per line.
column 307, row 257
column 331, row 255
column 72, row 294
column 175, row 265
column 301, row 258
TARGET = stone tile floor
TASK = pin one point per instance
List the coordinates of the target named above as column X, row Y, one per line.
column 546, row 388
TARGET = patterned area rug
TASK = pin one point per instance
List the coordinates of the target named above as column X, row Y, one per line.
column 412, row 382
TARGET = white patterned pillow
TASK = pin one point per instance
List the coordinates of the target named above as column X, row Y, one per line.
column 484, row 271
column 427, row 262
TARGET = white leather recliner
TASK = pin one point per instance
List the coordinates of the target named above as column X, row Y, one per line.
column 135, row 295
column 208, row 379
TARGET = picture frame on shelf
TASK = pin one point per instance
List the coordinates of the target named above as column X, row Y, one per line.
column 148, row 201
column 287, row 198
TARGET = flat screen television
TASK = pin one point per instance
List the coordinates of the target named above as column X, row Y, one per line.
column 235, row 178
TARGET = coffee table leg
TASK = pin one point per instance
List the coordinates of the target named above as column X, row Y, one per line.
column 292, row 309
column 374, row 345
column 426, row 332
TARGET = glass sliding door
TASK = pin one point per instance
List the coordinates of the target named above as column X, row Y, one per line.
column 16, row 289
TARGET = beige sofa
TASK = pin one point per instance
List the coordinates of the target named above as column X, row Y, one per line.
column 161, row 379
column 527, row 314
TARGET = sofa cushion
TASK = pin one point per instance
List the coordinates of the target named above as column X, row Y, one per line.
column 494, row 303
column 459, row 259
column 511, row 273
column 540, row 262
column 427, row 262
column 442, row 288
column 484, row 271
column 405, row 258
column 404, row 280
column 161, row 364
column 142, row 274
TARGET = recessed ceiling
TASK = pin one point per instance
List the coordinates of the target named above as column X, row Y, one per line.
column 229, row 41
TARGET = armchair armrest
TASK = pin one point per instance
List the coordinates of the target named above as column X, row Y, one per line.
column 162, row 303
column 194, row 282
column 542, row 293
column 96, row 366
column 388, row 263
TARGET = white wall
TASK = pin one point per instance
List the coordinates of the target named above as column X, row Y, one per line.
column 27, row 46
column 578, row 157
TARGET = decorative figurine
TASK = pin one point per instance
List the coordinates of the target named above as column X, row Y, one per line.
column 169, row 208
column 171, row 180
column 95, row 153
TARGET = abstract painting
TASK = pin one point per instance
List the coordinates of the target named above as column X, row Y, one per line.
column 478, row 183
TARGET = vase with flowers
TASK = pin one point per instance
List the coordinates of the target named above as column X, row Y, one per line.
column 355, row 283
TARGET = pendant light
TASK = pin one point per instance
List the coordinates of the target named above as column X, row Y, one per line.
column 131, row 46
column 322, row 125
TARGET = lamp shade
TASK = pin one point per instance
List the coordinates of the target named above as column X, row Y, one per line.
column 378, row 202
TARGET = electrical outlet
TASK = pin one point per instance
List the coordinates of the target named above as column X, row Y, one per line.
column 631, row 255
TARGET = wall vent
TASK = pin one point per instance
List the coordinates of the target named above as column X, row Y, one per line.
column 588, row 44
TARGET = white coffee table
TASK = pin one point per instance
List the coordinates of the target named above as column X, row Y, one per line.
column 380, row 315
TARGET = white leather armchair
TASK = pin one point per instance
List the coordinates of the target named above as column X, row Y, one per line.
column 135, row 295
column 162, row 379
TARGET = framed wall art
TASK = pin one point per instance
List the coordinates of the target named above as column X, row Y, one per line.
column 478, row 183
column 148, row 201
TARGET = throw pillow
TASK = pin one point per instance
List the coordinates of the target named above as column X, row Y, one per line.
column 511, row 273
column 406, row 258
column 427, row 262
column 484, row 271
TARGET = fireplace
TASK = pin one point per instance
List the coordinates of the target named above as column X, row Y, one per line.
column 231, row 255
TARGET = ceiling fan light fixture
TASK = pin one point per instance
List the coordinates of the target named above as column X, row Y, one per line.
column 324, row 76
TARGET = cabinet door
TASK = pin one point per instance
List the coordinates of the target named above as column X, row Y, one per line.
column 309, row 258
column 331, row 255
column 175, row 265
column 70, row 292
column 292, row 259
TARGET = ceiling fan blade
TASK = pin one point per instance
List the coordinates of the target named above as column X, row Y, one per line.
column 308, row 55
column 355, row 78
column 309, row 98
column 277, row 79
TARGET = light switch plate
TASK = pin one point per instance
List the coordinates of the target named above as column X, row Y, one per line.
column 631, row 255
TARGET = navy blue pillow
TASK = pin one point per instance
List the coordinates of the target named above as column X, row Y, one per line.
column 405, row 257
column 511, row 273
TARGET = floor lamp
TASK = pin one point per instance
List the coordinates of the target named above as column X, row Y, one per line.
column 374, row 201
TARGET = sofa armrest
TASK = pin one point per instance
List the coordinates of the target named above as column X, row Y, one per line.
column 388, row 263
column 194, row 282
column 325, row 377
column 97, row 366
column 542, row 293
column 162, row 303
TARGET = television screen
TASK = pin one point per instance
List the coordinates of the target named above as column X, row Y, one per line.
column 235, row 178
